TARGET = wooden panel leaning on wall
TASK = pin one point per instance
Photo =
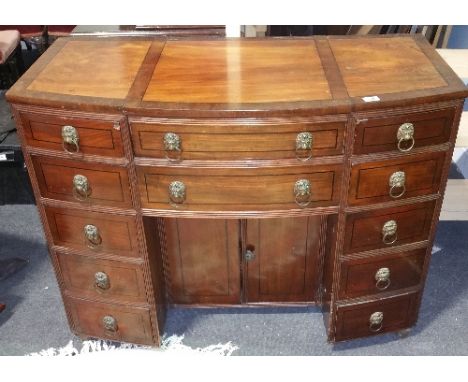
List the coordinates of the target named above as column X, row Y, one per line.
column 215, row 172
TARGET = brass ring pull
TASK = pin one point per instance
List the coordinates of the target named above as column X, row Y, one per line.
column 70, row 138
column 376, row 321
column 382, row 278
column 110, row 323
column 177, row 192
column 389, row 232
column 81, row 187
column 172, row 147
column 405, row 133
column 93, row 238
column 304, row 142
column 397, row 182
column 302, row 193
column 101, row 281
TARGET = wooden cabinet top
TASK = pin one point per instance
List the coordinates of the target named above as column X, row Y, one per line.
column 246, row 76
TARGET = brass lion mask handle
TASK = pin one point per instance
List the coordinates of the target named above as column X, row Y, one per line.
column 92, row 235
column 405, row 137
column 110, row 323
column 70, row 139
column 101, row 281
column 389, row 232
column 397, row 184
column 382, row 278
column 376, row 321
column 302, row 193
column 177, row 192
column 172, row 147
column 81, row 188
column 304, row 141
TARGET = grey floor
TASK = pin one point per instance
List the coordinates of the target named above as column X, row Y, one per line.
column 35, row 320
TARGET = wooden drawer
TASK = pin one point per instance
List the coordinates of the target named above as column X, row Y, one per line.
column 380, row 133
column 253, row 139
column 239, row 189
column 366, row 276
column 88, row 277
column 111, row 321
column 95, row 136
column 117, row 234
column 365, row 230
column 108, row 185
column 370, row 181
column 395, row 313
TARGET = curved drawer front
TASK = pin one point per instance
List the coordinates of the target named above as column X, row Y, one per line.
column 111, row 321
column 226, row 141
column 375, row 229
column 384, row 181
column 77, row 181
column 239, row 189
column 361, row 277
column 97, row 278
column 76, row 135
column 403, row 131
column 367, row 319
column 115, row 234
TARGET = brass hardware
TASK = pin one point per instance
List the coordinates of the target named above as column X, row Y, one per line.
column 397, row 181
column 382, row 278
column 81, row 188
column 405, row 133
column 101, row 280
column 92, row 236
column 110, row 323
column 304, row 142
column 249, row 255
column 302, row 193
column 389, row 232
column 172, row 147
column 116, row 126
column 375, row 321
column 177, row 192
column 70, row 137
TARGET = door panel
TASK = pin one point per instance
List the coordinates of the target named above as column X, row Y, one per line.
column 284, row 267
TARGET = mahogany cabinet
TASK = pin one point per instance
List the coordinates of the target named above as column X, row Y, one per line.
column 213, row 172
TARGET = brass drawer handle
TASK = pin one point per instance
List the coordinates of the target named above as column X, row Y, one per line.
column 382, row 278
column 101, row 281
column 397, row 182
column 110, row 323
column 389, row 232
column 375, row 321
column 302, row 193
column 93, row 238
column 249, row 255
column 405, row 133
column 71, row 138
column 304, row 143
column 81, row 188
column 172, row 147
column 177, row 192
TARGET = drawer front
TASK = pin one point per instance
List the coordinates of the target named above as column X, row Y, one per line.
column 82, row 182
column 361, row 277
column 256, row 140
column 384, row 181
column 111, row 321
column 374, row 229
column 393, row 133
column 93, row 278
column 235, row 189
column 367, row 319
column 82, row 136
column 115, row 234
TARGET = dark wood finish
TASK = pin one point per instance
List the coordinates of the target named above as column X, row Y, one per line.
column 285, row 267
column 118, row 232
column 363, row 230
column 370, row 180
column 248, row 139
column 133, row 323
column 353, row 319
column 98, row 137
column 125, row 279
column 238, row 189
column 203, row 260
column 109, row 184
column 379, row 133
column 358, row 275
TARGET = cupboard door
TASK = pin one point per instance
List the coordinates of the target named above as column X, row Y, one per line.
column 282, row 264
column 203, row 260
